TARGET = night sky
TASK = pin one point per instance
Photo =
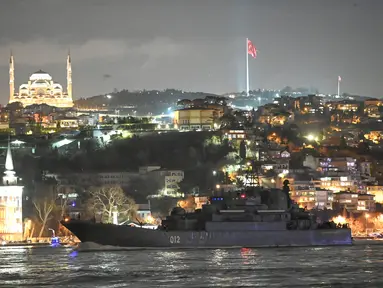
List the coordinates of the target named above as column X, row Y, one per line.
column 195, row 45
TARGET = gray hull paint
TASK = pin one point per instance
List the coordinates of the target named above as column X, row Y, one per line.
column 126, row 236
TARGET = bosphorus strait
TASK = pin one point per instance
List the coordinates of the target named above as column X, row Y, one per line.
column 354, row 266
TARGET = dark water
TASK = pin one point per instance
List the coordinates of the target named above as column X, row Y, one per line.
column 355, row 266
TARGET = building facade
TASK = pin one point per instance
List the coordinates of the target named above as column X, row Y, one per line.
column 354, row 202
column 41, row 89
column 11, row 220
column 306, row 195
column 196, row 118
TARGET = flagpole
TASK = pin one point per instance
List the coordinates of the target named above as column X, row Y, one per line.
column 247, row 67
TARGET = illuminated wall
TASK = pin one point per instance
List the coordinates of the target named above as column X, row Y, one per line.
column 11, row 220
column 196, row 118
column 377, row 191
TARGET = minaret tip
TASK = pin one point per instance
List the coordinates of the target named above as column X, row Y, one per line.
column 9, row 160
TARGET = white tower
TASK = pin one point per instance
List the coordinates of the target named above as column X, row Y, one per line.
column 69, row 75
column 10, row 176
column 11, row 78
column 11, row 223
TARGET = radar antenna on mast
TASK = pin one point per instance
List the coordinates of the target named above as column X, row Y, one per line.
column 252, row 174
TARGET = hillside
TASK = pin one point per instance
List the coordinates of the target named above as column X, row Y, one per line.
column 153, row 99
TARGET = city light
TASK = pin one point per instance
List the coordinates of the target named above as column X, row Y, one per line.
column 339, row 220
column 150, row 219
column 312, row 137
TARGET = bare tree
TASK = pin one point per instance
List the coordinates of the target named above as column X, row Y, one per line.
column 63, row 192
column 50, row 202
column 108, row 199
column 45, row 206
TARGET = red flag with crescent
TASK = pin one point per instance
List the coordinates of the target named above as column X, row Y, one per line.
column 251, row 49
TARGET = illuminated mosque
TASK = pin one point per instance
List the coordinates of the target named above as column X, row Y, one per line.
column 41, row 89
column 11, row 219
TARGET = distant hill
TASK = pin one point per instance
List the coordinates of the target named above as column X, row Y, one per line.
column 141, row 99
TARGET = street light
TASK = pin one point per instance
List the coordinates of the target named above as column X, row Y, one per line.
column 53, row 232
column 214, row 172
column 366, row 216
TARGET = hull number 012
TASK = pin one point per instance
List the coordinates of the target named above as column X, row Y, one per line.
column 175, row 239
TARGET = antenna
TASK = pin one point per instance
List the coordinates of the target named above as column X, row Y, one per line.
column 252, row 174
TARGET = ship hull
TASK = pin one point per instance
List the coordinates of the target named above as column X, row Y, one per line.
column 126, row 236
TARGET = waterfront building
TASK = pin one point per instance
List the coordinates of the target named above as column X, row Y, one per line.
column 377, row 191
column 307, row 195
column 354, row 202
column 11, row 221
column 41, row 89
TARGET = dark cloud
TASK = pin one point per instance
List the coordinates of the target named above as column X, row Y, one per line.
column 195, row 45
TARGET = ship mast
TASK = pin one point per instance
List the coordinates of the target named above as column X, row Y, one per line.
column 252, row 174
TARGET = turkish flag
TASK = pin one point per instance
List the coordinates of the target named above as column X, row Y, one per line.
column 251, row 49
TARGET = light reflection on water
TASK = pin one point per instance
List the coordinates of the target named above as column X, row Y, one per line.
column 356, row 266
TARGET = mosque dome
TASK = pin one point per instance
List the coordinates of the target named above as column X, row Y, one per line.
column 40, row 75
column 57, row 86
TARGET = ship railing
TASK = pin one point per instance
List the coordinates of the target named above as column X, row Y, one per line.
column 271, row 211
column 232, row 211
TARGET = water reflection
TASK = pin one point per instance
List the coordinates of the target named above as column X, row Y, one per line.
column 219, row 257
column 73, row 254
column 174, row 260
column 249, row 256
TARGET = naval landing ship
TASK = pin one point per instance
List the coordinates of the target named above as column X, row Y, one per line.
column 253, row 218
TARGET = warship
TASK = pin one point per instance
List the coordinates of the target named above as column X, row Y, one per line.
column 251, row 219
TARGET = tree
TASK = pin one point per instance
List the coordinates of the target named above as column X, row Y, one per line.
column 216, row 100
column 228, row 121
column 239, row 182
column 109, row 199
column 142, row 187
column 363, row 148
column 343, row 143
column 242, row 150
column 184, row 102
column 62, row 197
column 161, row 207
column 45, row 206
column 14, row 106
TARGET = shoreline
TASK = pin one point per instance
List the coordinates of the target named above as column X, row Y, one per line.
column 367, row 241
column 45, row 244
